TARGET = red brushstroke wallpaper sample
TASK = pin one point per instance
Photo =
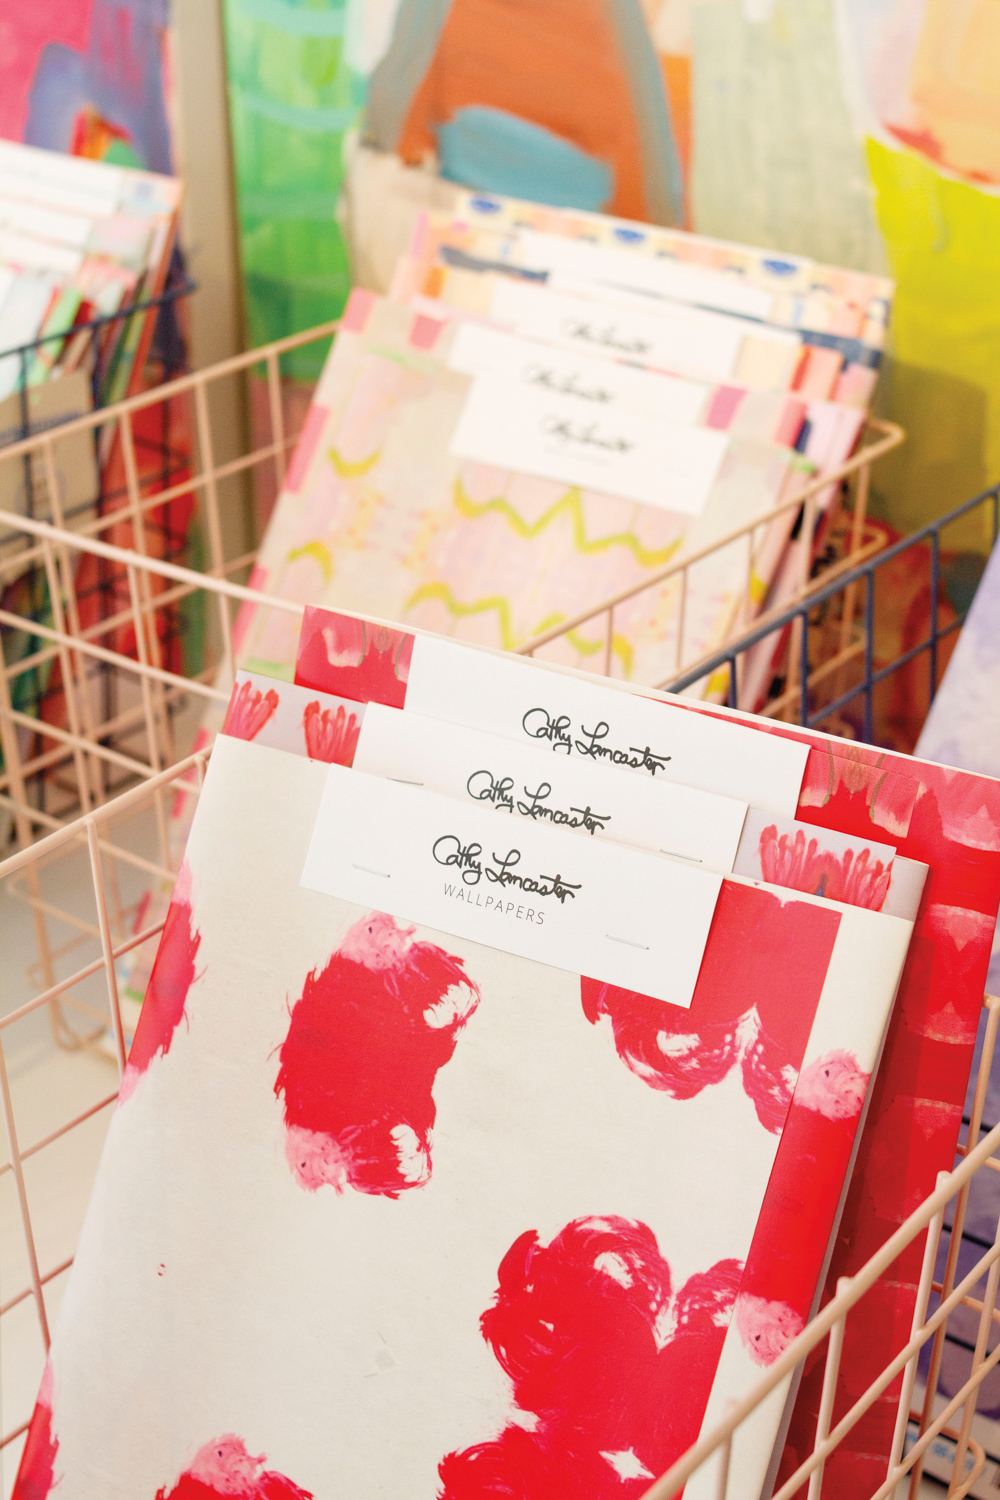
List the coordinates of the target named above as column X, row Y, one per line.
column 331, row 734
column 753, row 1005
column 803, row 865
column 789, row 1244
column 364, row 1045
column 949, row 820
column 36, row 1475
column 249, row 710
column 353, row 659
column 610, row 1367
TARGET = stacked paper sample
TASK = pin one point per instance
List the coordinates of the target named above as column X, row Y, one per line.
column 79, row 240
column 532, row 1104
column 554, row 409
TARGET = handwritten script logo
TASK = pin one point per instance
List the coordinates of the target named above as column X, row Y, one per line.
column 500, row 869
column 483, row 786
column 585, row 331
column 584, row 435
column 539, row 724
column 565, row 385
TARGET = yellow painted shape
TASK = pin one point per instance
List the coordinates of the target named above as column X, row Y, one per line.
column 508, row 639
column 353, row 468
column 716, row 690
column 319, row 553
column 758, row 588
column 620, row 647
column 943, row 379
column 571, row 504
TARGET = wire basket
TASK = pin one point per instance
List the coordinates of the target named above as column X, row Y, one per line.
column 120, row 634
column 94, row 857
column 95, row 779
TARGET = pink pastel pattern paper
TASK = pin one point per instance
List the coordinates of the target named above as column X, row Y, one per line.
column 286, row 716
column 803, row 293
column 804, row 858
column 383, row 519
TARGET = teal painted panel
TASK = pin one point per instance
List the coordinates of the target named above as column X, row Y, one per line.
column 497, row 152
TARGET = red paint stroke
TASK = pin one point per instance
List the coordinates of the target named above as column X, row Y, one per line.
column 862, row 789
column 757, row 992
column 613, row 1366
column 362, row 1052
column 331, row 735
column 789, row 1244
column 249, row 710
column 167, row 990
column 224, row 1470
column 857, row 879
column 949, row 820
column 36, row 1473
column 353, row 658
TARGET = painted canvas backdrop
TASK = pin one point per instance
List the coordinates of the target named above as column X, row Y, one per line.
column 87, row 77
column 297, row 78
column 861, row 132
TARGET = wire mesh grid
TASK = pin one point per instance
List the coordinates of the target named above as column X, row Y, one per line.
column 101, row 835
column 104, row 634
column 143, row 338
column 78, row 774
column 108, row 636
column 814, row 693
column 800, row 513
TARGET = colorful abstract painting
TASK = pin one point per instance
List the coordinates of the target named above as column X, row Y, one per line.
column 87, row 77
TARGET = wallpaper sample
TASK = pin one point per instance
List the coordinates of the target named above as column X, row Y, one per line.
column 762, row 846
column 948, row 820
column 377, row 515
column 372, row 1308
column 802, row 292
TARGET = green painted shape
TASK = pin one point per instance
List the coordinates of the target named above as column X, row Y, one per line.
column 293, row 98
column 281, row 671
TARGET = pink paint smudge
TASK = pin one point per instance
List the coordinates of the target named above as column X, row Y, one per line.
column 224, row 1470
column 167, row 990
column 856, row 878
column 833, row 1086
column 331, row 735
column 613, row 1366
column 766, row 1328
column 761, row 977
column 363, row 1049
column 36, row 1472
column 249, row 710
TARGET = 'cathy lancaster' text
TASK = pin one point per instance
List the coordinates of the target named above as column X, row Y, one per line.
column 468, row 859
column 539, row 724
